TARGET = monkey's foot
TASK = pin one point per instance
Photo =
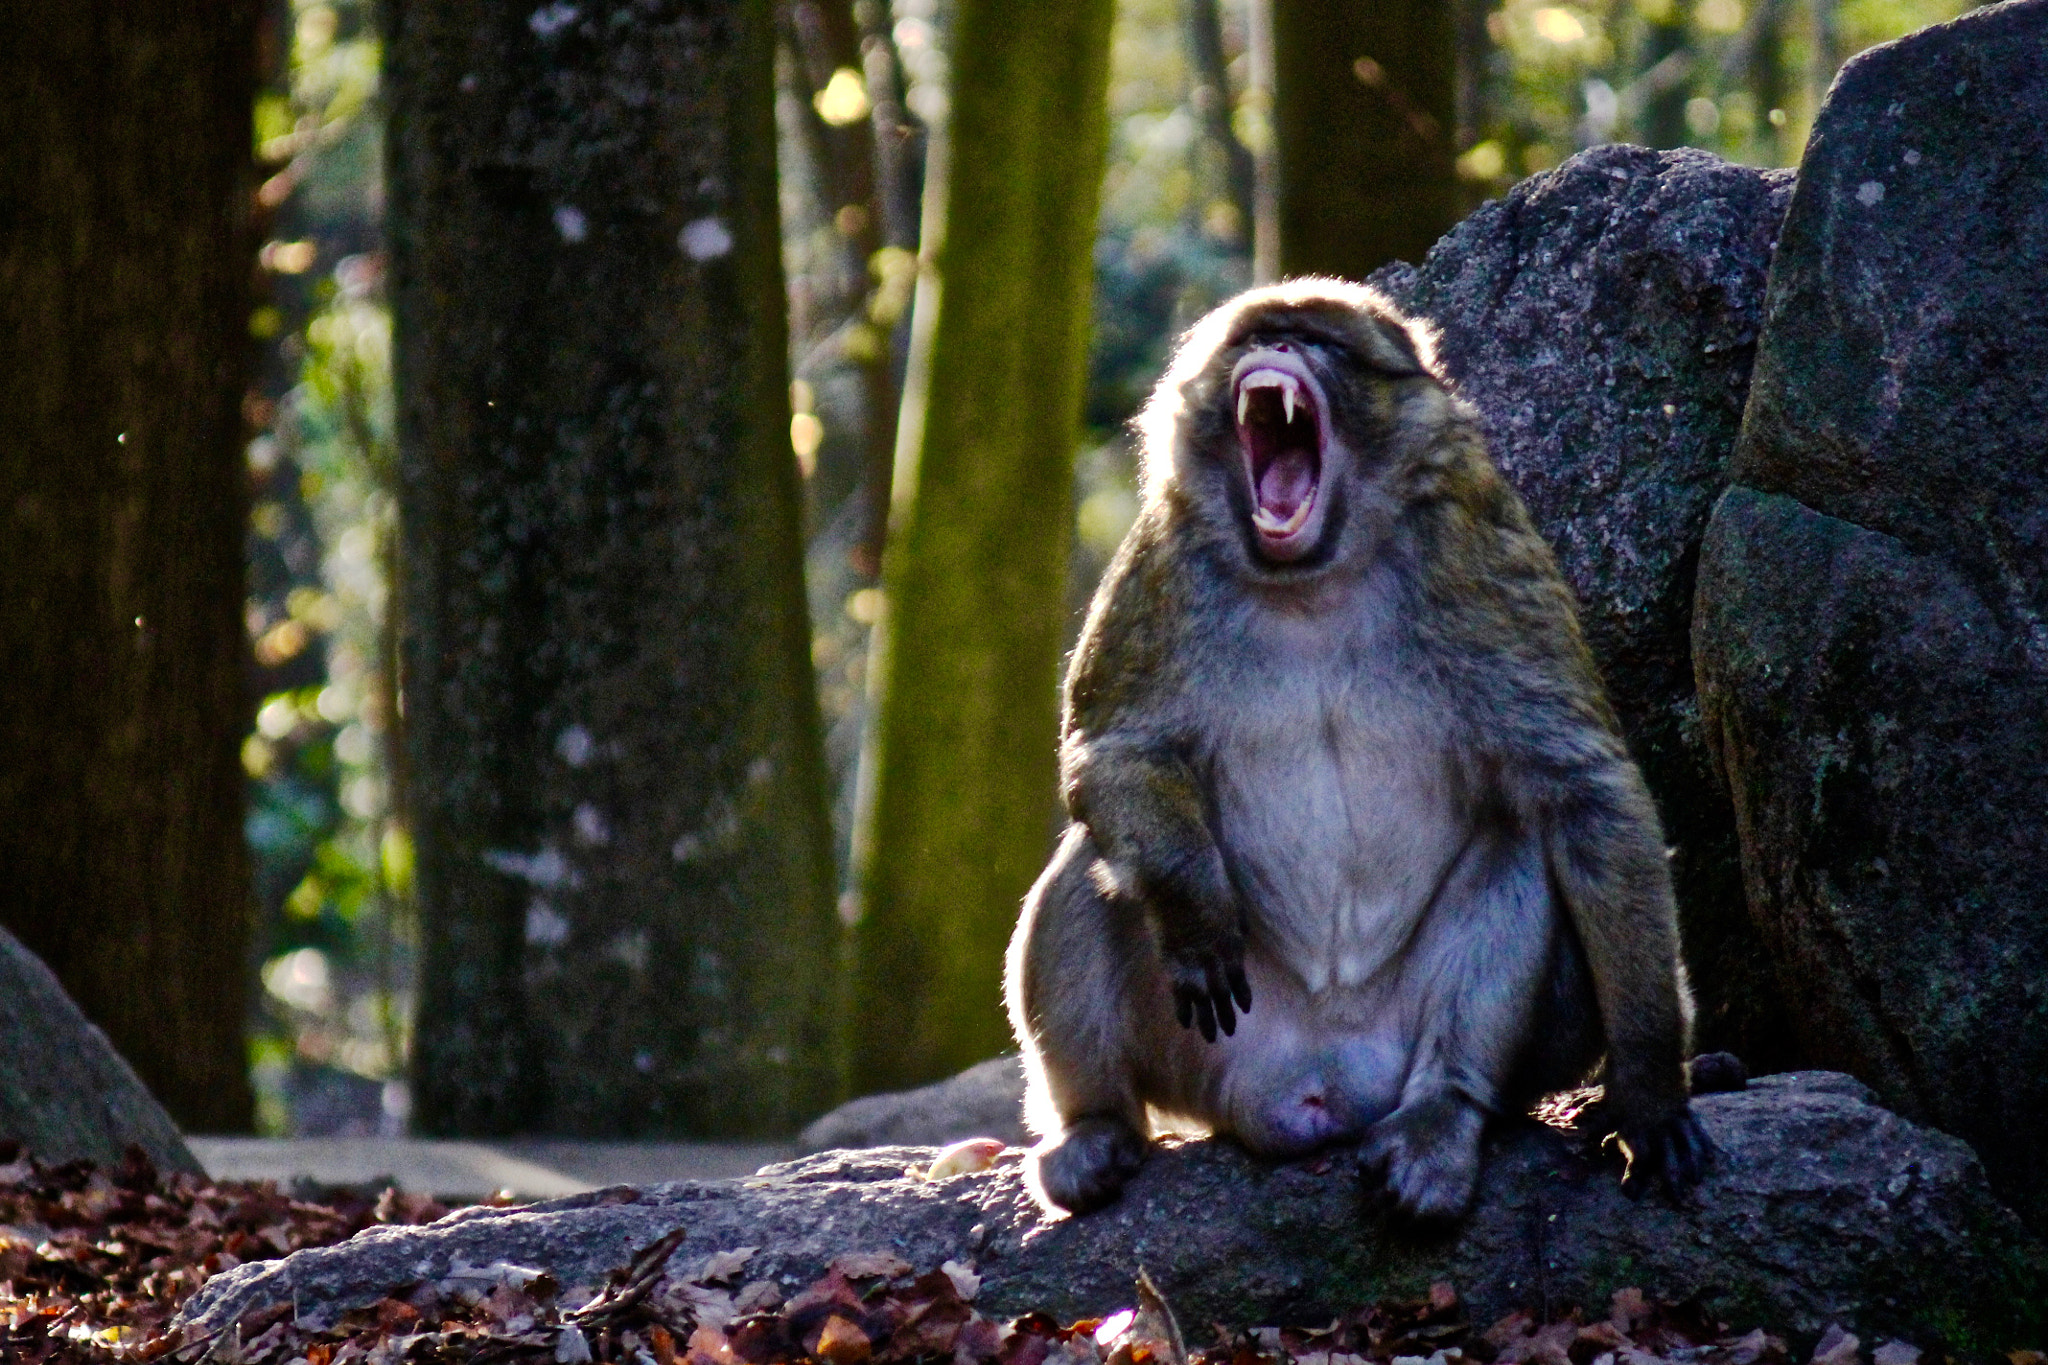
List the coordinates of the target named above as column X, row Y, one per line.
column 1088, row 1166
column 1672, row 1153
column 1426, row 1154
column 1715, row 1072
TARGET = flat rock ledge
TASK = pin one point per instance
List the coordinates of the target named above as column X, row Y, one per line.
column 1824, row 1208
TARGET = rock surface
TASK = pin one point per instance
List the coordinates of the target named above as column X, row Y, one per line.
column 1604, row 317
column 985, row 1100
column 1872, row 626
column 1823, row 1209
column 65, row 1094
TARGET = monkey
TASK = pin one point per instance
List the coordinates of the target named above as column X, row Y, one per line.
column 1355, row 852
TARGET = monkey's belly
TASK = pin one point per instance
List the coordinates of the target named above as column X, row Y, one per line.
column 1369, row 890
column 1299, row 1075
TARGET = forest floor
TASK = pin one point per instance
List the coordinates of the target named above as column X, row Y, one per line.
column 95, row 1263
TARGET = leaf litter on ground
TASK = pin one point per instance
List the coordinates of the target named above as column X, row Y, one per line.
column 95, row 1263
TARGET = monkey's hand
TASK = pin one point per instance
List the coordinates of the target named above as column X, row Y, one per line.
column 1207, row 971
column 1672, row 1153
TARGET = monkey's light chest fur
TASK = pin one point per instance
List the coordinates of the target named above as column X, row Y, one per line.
column 1336, row 802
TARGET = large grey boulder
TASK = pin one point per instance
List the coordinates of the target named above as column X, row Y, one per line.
column 65, row 1094
column 1603, row 318
column 985, row 1100
column 1872, row 625
column 1823, row 1209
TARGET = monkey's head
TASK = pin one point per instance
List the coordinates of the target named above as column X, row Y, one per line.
column 1288, row 420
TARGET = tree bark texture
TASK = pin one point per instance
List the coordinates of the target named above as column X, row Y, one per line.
column 1364, row 112
column 125, row 261
column 614, row 765
column 957, row 809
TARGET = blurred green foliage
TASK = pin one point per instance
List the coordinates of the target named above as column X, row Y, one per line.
column 333, row 864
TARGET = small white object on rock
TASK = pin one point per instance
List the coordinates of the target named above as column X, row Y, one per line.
column 966, row 1157
column 546, row 22
column 705, row 239
column 1869, row 192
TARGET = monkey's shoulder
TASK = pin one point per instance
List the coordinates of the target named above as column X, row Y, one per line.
column 1133, row 648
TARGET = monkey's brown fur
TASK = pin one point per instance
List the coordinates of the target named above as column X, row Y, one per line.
column 1343, row 765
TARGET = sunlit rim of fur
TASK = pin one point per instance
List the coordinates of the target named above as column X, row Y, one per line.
column 1161, row 415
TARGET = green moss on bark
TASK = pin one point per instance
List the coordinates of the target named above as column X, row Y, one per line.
column 959, row 807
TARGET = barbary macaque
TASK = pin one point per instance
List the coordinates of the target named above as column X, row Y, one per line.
column 1357, row 852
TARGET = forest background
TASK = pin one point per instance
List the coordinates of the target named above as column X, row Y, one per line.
column 265, row 946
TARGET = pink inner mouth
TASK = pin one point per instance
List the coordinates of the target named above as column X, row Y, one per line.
column 1282, row 445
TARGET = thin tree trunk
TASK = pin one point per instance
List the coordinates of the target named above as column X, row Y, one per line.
column 125, row 261
column 1364, row 113
column 614, row 774
column 1475, row 72
column 957, row 806
column 1666, row 77
column 1209, row 93
column 1766, row 71
column 1827, row 47
column 860, row 185
column 1258, row 98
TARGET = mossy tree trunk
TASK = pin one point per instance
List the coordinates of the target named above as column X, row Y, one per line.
column 125, row 261
column 613, row 758
column 958, row 805
column 1364, row 113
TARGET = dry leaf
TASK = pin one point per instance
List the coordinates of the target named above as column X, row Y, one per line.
column 965, row 1282
column 864, row 1265
column 1835, row 1347
column 724, row 1265
column 842, row 1342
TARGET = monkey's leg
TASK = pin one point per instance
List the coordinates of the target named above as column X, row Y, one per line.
column 1071, row 969
column 1475, row 972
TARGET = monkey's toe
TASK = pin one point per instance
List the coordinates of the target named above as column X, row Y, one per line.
column 1673, row 1154
column 1426, row 1156
column 1090, row 1164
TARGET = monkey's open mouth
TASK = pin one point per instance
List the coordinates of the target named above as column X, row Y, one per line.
column 1280, row 431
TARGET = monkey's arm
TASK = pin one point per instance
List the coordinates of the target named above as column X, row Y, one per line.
column 1533, row 686
column 1606, row 854
column 1123, row 776
column 1145, row 812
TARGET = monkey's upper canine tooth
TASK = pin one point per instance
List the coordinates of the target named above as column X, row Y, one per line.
column 1287, row 397
column 1244, row 402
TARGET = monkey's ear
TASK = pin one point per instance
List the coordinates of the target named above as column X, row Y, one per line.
column 1400, row 347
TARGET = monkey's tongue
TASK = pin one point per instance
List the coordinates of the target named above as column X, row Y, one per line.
column 1285, row 487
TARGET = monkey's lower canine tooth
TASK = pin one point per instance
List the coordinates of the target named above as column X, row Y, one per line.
column 1273, row 526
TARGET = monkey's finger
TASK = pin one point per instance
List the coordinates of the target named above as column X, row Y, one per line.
column 1240, row 988
column 1205, row 1016
column 1184, row 1005
column 1219, row 996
